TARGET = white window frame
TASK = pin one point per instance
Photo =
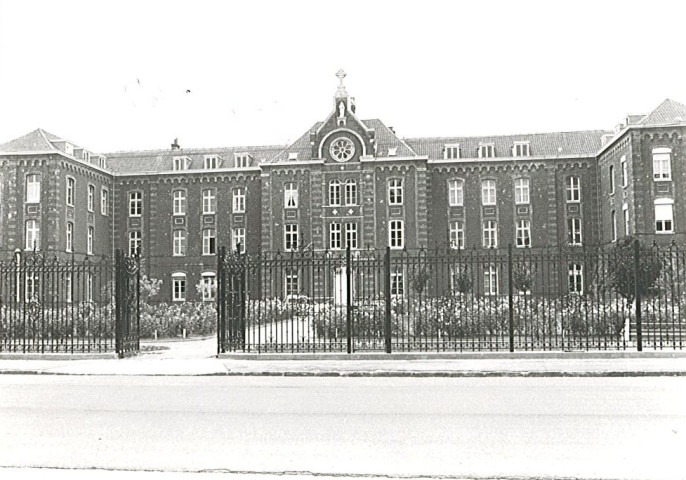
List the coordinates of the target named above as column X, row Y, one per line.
column 238, row 200
column 291, row 283
column 350, row 192
column 456, row 192
column 611, row 176
column 290, row 237
column 211, row 162
column 490, row 279
column 522, row 191
column 209, row 241
column 242, row 160
column 104, row 201
column 664, row 216
column 335, row 236
column 662, row 164
column 179, row 287
column 625, row 171
column 69, row 191
column 135, row 203
column 209, row 201
column 488, row 192
column 209, row 286
column 351, row 235
column 180, row 163
column 290, row 195
column 521, row 149
column 456, row 234
column 395, row 191
column 486, row 150
column 180, row 243
column 33, row 181
column 574, row 231
column 179, row 202
column 238, row 239
column 396, row 234
column 489, row 230
column 69, row 237
column 335, row 193
column 90, row 233
column 32, row 235
column 451, row 151
column 397, row 282
column 91, row 198
column 135, row 242
column 573, row 189
column 523, row 233
column 575, row 278
column 627, row 220
column 613, row 225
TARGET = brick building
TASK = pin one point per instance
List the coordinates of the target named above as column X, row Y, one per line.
column 345, row 181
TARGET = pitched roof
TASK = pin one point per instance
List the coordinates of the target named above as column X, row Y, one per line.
column 36, row 141
column 156, row 161
column 582, row 143
column 668, row 112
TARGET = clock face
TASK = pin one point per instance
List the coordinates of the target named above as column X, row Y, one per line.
column 342, row 149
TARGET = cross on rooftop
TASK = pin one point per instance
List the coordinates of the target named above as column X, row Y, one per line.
column 341, row 88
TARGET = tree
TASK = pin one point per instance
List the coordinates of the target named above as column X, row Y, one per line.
column 623, row 270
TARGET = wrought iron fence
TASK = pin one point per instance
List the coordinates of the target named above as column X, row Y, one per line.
column 625, row 296
column 57, row 305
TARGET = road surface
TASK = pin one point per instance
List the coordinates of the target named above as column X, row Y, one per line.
column 461, row 427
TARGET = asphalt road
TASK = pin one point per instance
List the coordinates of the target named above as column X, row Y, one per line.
column 533, row 427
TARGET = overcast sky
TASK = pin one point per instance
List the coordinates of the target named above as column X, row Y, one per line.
column 124, row 75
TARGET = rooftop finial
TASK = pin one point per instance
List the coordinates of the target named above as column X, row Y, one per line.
column 341, row 88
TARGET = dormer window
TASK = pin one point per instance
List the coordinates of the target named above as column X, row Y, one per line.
column 451, row 151
column 392, row 151
column 242, row 160
column 292, row 156
column 486, row 150
column 521, row 149
column 181, row 163
column 211, row 162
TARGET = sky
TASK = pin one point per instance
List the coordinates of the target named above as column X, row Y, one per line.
column 134, row 74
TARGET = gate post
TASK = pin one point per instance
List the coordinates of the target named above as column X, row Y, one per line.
column 118, row 303
column 387, row 298
column 510, row 294
column 637, row 295
column 348, row 300
column 221, row 319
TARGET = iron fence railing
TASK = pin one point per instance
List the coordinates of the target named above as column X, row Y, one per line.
column 624, row 296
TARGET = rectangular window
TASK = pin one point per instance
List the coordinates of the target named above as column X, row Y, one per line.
column 33, row 188
column 70, row 237
column 576, row 278
column 209, row 241
column 238, row 240
column 89, row 287
column 455, row 193
column 180, row 243
column 135, row 204
column 613, row 226
column 134, row 242
column 211, row 162
column 68, row 289
column 490, row 234
column 625, row 173
column 573, row 189
column 32, row 286
column 574, row 231
column 351, row 235
column 451, row 152
column 208, row 286
column 395, row 191
column 290, row 195
column 180, row 163
column 335, row 236
column 611, row 177
column 664, row 218
column 397, row 282
column 32, row 235
column 104, row 201
column 627, row 221
column 178, row 287
column 662, row 165
column 456, row 235
column 209, row 201
column 488, row 192
column 242, row 161
column 91, row 198
column 396, row 234
column 490, row 280
column 521, row 149
column 291, row 283
column 69, row 196
column 522, row 191
column 350, row 192
column 334, row 193
column 486, row 150
column 179, row 202
column 89, row 241
column 523, row 233
column 238, row 200
column 290, row 237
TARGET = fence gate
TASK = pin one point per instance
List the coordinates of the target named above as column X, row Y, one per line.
column 127, row 292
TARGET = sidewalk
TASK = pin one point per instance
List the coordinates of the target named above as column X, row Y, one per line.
column 198, row 358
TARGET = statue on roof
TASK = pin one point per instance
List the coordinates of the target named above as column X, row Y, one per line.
column 341, row 92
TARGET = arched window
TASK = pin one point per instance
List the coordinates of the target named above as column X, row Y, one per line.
column 350, row 192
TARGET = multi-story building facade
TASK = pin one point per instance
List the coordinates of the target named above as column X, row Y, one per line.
column 345, row 182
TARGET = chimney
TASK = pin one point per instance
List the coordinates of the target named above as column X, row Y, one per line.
column 175, row 145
